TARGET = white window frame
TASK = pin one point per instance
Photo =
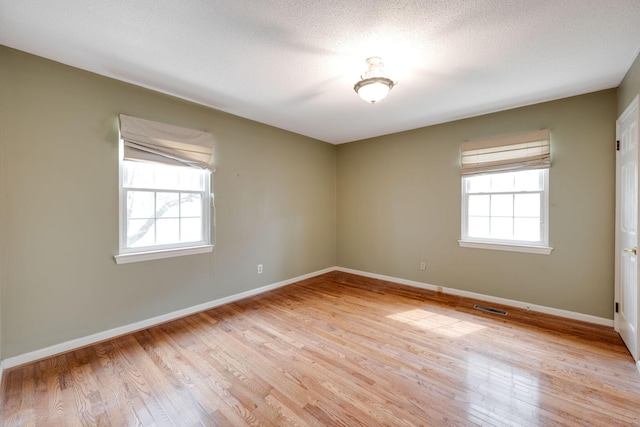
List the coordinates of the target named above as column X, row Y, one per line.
column 540, row 247
column 128, row 255
column 133, row 254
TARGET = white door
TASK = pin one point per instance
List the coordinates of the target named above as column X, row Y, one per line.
column 626, row 292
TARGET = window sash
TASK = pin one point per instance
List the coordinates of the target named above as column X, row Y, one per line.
column 512, row 216
column 206, row 197
column 511, row 153
column 129, row 247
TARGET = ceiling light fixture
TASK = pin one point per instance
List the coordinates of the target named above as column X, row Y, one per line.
column 374, row 84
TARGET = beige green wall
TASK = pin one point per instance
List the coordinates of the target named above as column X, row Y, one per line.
column 630, row 86
column 275, row 194
column 399, row 204
column 397, row 200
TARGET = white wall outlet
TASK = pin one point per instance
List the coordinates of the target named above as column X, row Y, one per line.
column 259, row 268
column 423, row 266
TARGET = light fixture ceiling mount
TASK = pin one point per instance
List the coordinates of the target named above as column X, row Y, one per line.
column 374, row 84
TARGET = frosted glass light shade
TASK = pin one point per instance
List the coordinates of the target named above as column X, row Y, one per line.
column 373, row 89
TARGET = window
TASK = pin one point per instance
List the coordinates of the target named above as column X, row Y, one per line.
column 505, row 188
column 165, row 194
column 164, row 206
column 506, row 207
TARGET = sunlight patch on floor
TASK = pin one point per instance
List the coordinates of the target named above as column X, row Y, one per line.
column 435, row 322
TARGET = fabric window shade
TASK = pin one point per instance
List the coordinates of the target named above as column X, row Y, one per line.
column 154, row 142
column 510, row 153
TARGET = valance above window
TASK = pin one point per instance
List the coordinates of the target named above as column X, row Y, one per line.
column 516, row 152
column 155, row 142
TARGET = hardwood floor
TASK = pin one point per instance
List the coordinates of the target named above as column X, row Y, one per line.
column 338, row 350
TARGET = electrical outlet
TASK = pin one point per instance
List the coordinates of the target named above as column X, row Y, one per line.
column 423, row 266
column 259, row 268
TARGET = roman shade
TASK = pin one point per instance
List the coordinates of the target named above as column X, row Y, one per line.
column 515, row 152
column 149, row 141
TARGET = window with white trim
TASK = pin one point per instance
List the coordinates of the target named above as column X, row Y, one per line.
column 164, row 207
column 165, row 191
column 505, row 193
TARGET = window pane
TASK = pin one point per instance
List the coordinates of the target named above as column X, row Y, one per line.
column 502, row 182
column 192, row 179
column 167, row 205
column 191, row 230
column 528, row 180
column 527, row 205
column 140, row 232
column 479, row 184
column 154, row 176
column 502, row 228
column 502, row 205
column 479, row 205
column 478, row 227
column 167, row 177
column 190, row 205
column 168, row 231
column 140, row 204
column 527, row 229
column 138, row 175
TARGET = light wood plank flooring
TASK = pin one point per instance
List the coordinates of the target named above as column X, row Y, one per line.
column 337, row 350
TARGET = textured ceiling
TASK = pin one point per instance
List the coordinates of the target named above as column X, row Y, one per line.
column 293, row 63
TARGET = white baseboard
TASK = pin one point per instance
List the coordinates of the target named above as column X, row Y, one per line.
column 488, row 298
column 123, row 330
column 1, row 369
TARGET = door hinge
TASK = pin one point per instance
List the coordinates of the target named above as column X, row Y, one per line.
column 616, row 307
column 617, row 145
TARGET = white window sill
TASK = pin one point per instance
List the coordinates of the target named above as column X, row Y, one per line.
column 167, row 253
column 542, row 250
